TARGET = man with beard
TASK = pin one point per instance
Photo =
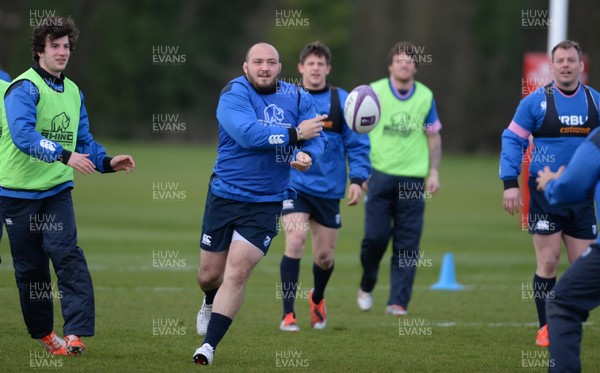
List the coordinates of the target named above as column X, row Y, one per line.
column 406, row 148
column 260, row 118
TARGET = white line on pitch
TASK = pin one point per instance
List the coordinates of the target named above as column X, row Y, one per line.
column 493, row 325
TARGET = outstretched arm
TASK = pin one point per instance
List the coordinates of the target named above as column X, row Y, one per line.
column 90, row 155
column 122, row 163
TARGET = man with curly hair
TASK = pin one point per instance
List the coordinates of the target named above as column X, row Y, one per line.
column 45, row 136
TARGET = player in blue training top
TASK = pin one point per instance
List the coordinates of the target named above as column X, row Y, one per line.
column 578, row 291
column 260, row 118
column 4, row 76
column 319, row 191
column 559, row 117
column 5, row 79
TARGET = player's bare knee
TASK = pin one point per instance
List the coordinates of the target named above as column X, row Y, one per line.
column 294, row 244
column 324, row 258
column 294, row 250
column 547, row 268
column 325, row 262
column 238, row 278
column 209, row 280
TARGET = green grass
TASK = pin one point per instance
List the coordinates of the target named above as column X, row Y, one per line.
column 488, row 327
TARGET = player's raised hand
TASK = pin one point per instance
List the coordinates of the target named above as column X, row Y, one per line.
column 81, row 163
column 512, row 200
column 302, row 163
column 311, row 128
column 545, row 175
column 354, row 193
column 123, row 163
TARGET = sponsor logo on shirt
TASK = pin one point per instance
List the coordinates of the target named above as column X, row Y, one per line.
column 572, row 120
column 58, row 130
column 276, row 139
column 48, row 145
column 574, row 124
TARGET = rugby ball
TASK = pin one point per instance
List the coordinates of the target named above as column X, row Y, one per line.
column 362, row 109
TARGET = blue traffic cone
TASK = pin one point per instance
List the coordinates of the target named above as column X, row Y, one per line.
column 447, row 279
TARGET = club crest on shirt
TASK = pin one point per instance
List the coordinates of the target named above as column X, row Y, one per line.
column 273, row 115
column 267, row 241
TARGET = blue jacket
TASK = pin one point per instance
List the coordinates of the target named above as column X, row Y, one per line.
column 553, row 151
column 4, row 76
column 581, row 177
column 327, row 179
column 257, row 141
column 20, row 103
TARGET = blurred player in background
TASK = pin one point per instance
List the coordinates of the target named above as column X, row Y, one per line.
column 406, row 148
column 578, row 290
column 559, row 116
column 320, row 190
column 260, row 118
column 4, row 83
column 45, row 136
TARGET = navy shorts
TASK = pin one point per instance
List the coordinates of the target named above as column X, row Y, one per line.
column 324, row 211
column 256, row 222
column 577, row 220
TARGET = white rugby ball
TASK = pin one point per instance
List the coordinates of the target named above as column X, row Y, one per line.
column 362, row 109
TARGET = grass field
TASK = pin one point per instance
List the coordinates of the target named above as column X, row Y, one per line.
column 142, row 249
